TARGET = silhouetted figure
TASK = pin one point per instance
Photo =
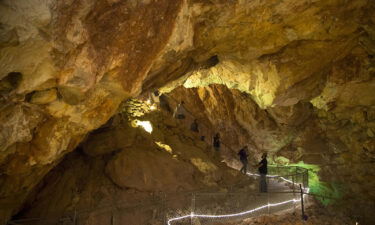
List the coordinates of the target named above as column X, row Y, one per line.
column 179, row 112
column 154, row 97
column 216, row 142
column 243, row 158
column 163, row 100
column 194, row 126
column 263, row 173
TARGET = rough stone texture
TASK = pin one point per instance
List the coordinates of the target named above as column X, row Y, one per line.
column 95, row 54
column 44, row 97
column 333, row 134
column 93, row 60
column 130, row 176
column 271, row 53
column 241, row 121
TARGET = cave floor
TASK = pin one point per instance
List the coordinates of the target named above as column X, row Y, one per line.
column 279, row 200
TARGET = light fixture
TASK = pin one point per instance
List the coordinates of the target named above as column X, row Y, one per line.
column 192, row 215
column 146, row 125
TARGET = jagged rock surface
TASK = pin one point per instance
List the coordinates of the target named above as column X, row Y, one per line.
column 67, row 65
column 171, row 161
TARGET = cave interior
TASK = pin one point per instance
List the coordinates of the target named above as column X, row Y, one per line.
column 89, row 92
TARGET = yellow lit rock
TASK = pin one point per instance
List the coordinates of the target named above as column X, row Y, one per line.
column 294, row 78
column 146, row 125
column 165, row 147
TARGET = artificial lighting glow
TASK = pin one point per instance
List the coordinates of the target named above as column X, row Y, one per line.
column 152, row 107
column 164, row 146
column 192, row 215
column 145, row 125
column 148, row 101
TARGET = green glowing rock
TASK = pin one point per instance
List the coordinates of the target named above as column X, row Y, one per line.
column 330, row 190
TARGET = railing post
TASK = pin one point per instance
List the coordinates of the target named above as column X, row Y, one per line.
column 75, row 216
column 192, row 208
column 294, row 195
column 304, row 217
column 164, row 208
column 268, row 201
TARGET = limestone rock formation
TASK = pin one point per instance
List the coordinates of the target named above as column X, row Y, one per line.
column 298, row 77
column 170, row 160
column 336, row 136
column 93, row 62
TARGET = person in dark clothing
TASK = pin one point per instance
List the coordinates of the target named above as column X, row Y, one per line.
column 179, row 112
column 194, row 126
column 163, row 101
column 262, row 167
column 216, row 142
column 243, row 158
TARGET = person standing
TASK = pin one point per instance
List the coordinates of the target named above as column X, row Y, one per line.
column 163, row 101
column 179, row 112
column 243, row 158
column 216, row 142
column 194, row 126
column 262, row 167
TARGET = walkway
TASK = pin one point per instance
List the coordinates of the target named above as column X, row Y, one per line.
column 211, row 208
column 207, row 208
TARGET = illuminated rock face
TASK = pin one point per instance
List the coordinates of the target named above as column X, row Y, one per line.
column 125, row 166
column 241, row 120
column 65, row 66
column 333, row 130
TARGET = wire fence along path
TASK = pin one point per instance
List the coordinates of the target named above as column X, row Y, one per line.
column 286, row 189
column 284, row 194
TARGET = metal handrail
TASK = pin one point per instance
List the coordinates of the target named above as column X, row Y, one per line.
column 122, row 205
column 154, row 200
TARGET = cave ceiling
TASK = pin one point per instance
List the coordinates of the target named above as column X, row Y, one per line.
column 65, row 66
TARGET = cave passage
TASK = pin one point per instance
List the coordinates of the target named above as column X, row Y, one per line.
column 134, row 112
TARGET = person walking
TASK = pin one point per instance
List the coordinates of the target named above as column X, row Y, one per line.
column 216, row 142
column 262, row 167
column 163, row 102
column 243, row 158
column 179, row 112
column 194, row 126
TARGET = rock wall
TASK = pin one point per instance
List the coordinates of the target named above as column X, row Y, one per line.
column 124, row 167
column 332, row 131
column 240, row 119
column 65, row 66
